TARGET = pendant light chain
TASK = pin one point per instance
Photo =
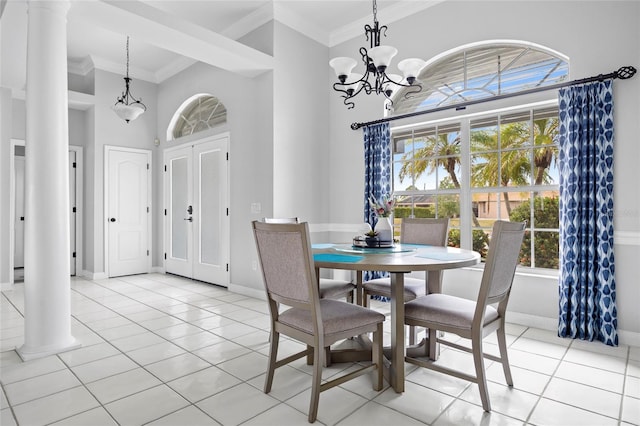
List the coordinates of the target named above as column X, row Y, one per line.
column 127, row 107
column 127, row 56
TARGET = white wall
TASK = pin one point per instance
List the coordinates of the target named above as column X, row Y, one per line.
column 301, row 134
column 250, row 149
column 598, row 37
column 279, row 142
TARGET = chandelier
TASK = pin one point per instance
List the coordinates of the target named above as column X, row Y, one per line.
column 127, row 107
column 376, row 63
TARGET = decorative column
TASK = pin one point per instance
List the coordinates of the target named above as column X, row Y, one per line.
column 47, row 285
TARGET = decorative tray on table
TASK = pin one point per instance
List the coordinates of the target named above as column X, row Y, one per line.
column 365, row 242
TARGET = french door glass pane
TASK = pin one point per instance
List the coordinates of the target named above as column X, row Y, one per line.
column 209, row 208
column 179, row 193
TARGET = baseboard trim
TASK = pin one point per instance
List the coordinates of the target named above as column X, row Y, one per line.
column 246, row 291
column 94, row 275
column 5, row 286
column 626, row 338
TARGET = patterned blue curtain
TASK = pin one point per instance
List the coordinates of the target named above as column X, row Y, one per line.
column 587, row 283
column 377, row 172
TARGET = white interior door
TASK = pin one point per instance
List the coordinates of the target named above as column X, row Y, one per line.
column 197, row 217
column 75, row 200
column 72, row 210
column 128, row 201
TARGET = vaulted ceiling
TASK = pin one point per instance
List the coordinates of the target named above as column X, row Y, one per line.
column 169, row 35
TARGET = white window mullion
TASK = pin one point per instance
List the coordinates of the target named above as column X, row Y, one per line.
column 466, row 240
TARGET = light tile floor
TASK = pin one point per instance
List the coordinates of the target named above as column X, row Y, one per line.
column 163, row 350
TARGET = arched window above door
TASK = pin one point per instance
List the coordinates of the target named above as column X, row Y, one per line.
column 198, row 113
column 483, row 70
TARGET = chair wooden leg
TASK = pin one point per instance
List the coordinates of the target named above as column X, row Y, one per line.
column 478, row 360
column 412, row 334
column 376, row 357
column 327, row 356
column 273, row 356
column 315, row 384
column 502, row 345
column 433, row 344
column 365, row 299
column 309, row 355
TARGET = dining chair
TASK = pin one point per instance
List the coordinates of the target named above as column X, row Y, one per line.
column 297, row 311
column 426, row 231
column 474, row 320
column 329, row 288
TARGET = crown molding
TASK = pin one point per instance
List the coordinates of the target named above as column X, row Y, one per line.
column 80, row 66
column 117, row 68
column 173, row 68
column 250, row 22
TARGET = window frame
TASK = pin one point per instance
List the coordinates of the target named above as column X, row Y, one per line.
column 466, row 191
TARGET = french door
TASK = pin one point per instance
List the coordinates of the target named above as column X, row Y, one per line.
column 196, row 214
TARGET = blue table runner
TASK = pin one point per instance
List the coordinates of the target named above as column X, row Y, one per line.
column 334, row 257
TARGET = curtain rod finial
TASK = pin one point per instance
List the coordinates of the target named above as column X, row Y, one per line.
column 626, row 72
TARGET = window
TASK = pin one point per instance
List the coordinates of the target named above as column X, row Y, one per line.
column 199, row 113
column 483, row 70
column 501, row 166
column 484, row 167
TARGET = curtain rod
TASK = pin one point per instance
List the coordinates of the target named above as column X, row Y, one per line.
column 623, row 73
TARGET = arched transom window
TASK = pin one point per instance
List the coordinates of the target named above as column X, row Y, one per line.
column 198, row 113
column 483, row 70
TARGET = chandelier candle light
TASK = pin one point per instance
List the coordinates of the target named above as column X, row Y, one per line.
column 127, row 107
column 376, row 62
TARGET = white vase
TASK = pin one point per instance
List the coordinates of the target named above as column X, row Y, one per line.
column 384, row 229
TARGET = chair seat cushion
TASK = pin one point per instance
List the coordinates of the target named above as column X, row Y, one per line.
column 335, row 289
column 446, row 310
column 413, row 287
column 337, row 317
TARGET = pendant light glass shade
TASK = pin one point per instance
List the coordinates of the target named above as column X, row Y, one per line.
column 382, row 56
column 342, row 66
column 128, row 112
column 411, row 68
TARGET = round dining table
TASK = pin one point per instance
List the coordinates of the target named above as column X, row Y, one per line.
column 398, row 260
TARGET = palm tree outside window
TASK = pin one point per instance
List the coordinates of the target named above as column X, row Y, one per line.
column 482, row 168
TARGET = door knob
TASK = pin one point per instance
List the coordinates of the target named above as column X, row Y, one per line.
column 190, row 209
column 113, row 219
column 189, row 219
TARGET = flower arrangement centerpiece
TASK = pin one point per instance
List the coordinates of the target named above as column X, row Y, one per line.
column 383, row 208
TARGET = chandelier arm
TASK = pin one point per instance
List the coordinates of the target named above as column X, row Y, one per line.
column 379, row 82
column 418, row 89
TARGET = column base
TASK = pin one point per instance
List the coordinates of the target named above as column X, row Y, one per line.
column 30, row 353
